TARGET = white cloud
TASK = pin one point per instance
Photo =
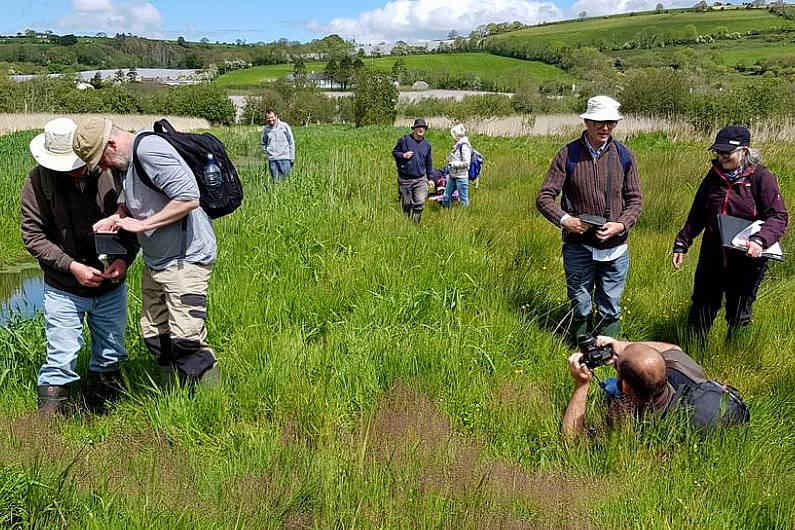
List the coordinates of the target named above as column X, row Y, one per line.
column 85, row 6
column 433, row 19
column 88, row 16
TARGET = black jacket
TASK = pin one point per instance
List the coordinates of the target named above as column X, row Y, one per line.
column 56, row 225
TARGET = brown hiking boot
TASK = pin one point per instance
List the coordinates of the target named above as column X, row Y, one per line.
column 52, row 399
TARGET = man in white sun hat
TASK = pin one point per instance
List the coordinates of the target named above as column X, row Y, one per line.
column 60, row 201
column 601, row 200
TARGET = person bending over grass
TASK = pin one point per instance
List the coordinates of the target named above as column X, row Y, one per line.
column 60, row 200
column 177, row 241
column 654, row 379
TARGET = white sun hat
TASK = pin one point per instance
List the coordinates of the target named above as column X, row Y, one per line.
column 457, row 131
column 53, row 148
column 602, row 108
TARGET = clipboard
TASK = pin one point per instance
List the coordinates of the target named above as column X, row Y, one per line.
column 734, row 232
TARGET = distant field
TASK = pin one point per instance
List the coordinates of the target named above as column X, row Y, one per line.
column 616, row 30
column 731, row 54
column 258, row 74
column 483, row 64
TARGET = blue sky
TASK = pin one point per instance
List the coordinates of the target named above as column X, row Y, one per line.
column 267, row 20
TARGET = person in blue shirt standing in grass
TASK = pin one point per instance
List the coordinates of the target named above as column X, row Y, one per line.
column 278, row 145
column 414, row 165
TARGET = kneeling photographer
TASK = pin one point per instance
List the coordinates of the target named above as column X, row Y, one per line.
column 652, row 379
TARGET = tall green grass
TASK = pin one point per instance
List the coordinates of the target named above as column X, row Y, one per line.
column 383, row 375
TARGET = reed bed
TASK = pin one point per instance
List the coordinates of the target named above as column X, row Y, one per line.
column 23, row 122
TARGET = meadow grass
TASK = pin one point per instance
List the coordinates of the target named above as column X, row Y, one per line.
column 383, row 375
column 510, row 71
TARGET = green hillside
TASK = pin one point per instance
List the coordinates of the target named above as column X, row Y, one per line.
column 502, row 69
column 727, row 52
column 613, row 32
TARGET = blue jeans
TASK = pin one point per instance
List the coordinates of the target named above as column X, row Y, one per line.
column 63, row 327
column 279, row 169
column 605, row 279
column 462, row 185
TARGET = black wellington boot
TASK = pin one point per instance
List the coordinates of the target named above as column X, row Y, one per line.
column 101, row 389
column 52, row 399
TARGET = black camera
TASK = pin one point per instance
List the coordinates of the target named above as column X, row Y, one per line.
column 594, row 221
column 593, row 355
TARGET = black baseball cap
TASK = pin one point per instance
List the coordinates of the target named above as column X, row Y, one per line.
column 730, row 138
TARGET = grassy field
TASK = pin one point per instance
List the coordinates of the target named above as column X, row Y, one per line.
column 616, row 30
column 727, row 52
column 382, row 375
column 482, row 64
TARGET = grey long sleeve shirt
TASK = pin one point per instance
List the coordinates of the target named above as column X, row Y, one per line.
column 278, row 143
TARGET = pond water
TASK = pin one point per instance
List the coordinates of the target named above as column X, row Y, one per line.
column 21, row 292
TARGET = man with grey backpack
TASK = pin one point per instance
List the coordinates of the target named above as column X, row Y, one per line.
column 654, row 380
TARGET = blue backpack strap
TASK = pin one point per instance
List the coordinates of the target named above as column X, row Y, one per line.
column 572, row 157
column 623, row 155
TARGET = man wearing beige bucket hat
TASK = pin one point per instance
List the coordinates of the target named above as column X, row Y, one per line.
column 601, row 200
column 177, row 242
column 60, row 201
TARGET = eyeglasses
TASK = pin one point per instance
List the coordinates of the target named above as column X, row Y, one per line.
column 609, row 123
column 723, row 153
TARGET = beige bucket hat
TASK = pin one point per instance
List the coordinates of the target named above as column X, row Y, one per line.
column 53, row 148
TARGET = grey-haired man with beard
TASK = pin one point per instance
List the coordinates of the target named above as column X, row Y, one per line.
column 177, row 241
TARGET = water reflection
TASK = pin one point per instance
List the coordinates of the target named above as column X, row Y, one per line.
column 21, row 292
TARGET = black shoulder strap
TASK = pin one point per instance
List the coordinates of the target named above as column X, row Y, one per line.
column 45, row 180
column 755, row 180
column 164, row 126
column 139, row 168
column 682, row 382
column 147, row 181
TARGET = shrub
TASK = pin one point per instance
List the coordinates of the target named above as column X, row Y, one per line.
column 374, row 98
column 483, row 106
column 205, row 100
column 60, row 95
column 656, row 92
column 295, row 102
